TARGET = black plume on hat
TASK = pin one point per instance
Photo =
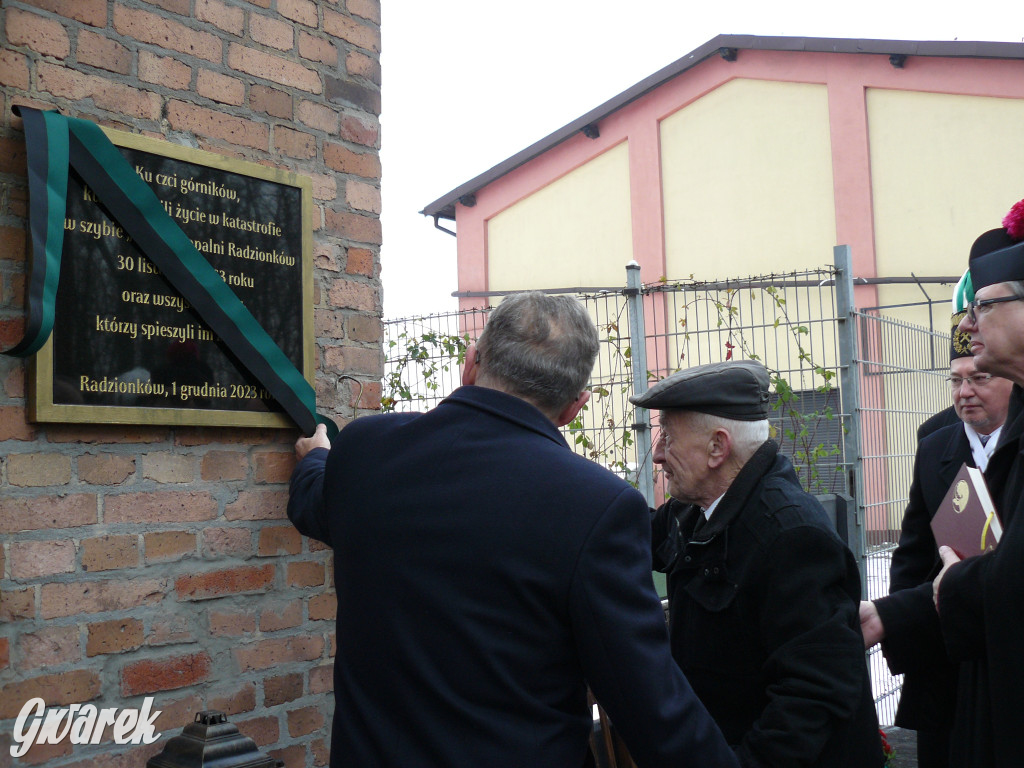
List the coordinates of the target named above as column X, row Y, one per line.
column 736, row 389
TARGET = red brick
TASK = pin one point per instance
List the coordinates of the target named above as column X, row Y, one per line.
column 361, row 65
column 104, row 53
column 340, row 158
column 169, row 545
column 359, row 131
column 227, row 541
column 12, row 156
column 352, row 226
column 164, row 70
column 56, row 690
column 275, row 618
column 14, row 70
column 274, row 68
column 271, row 32
column 290, row 757
column 258, row 505
column 180, row 7
column 165, row 33
column 13, row 424
column 224, row 465
column 160, row 507
column 227, row 90
column 13, row 243
column 231, row 623
column 353, row 360
column 31, row 559
column 279, row 540
column 105, row 468
column 242, row 700
column 321, row 679
column 309, row 573
column 302, row 11
column 50, row 646
column 317, row 49
column 348, row 294
column 46, row 754
column 169, row 630
column 108, row 553
column 97, row 434
column 272, row 466
column 304, row 721
column 222, row 16
column 115, row 97
column 17, row 604
column 294, row 143
column 14, row 386
column 362, row 197
column 5, row 652
column 230, row 581
column 321, row 752
column 365, row 328
column 97, row 596
column 323, row 607
column 91, row 12
column 240, row 131
column 368, row 9
column 44, row 36
column 276, row 651
column 51, row 512
column 152, row 675
column 38, row 469
column 113, row 636
column 282, row 689
column 365, row 394
column 271, row 101
column 352, row 31
column 262, row 730
column 173, row 716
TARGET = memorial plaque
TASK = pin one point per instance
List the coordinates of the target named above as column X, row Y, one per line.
column 126, row 347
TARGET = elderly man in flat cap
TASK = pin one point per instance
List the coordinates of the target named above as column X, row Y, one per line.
column 981, row 599
column 763, row 595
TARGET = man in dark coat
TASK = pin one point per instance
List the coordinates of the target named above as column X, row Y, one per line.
column 906, row 621
column 763, row 595
column 981, row 600
column 486, row 574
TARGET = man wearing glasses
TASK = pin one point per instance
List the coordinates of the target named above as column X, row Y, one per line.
column 980, row 601
column 906, row 621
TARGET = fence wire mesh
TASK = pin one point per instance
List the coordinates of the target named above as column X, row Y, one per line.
column 790, row 323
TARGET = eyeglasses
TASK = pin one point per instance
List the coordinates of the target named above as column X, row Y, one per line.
column 974, row 306
column 977, row 381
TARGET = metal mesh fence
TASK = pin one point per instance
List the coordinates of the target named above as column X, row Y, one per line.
column 789, row 322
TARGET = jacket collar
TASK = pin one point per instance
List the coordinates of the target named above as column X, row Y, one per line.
column 735, row 499
column 508, row 407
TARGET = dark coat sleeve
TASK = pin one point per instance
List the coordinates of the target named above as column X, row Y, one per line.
column 962, row 607
column 306, row 497
column 815, row 657
column 623, row 645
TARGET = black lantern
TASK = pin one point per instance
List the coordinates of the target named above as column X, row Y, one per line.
column 211, row 742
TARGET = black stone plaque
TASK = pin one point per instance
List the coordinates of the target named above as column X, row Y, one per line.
column 126, row 347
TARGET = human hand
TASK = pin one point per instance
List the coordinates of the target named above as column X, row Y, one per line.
column 870, row 624
column 318, row 439
column 949, row 557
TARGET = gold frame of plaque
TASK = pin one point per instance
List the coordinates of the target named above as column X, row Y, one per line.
column 164, row 367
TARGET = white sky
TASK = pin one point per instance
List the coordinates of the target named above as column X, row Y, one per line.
column 468, row 83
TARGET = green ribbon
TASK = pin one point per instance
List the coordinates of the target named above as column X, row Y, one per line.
column 138, row 210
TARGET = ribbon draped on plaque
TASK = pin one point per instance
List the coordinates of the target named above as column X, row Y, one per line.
column 53, row 143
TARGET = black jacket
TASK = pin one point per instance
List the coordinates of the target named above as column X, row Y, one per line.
column 485, row 574
column 913, row 646
column 763, row 606
column 981, row 611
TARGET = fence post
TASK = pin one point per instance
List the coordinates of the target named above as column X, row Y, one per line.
column 638, row 358
column 849, row 388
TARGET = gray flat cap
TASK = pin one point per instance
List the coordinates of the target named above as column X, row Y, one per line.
column 736, row 389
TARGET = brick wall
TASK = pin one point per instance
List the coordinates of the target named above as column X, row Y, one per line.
column 156, row 561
